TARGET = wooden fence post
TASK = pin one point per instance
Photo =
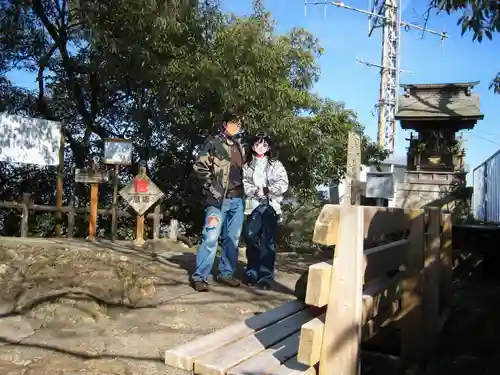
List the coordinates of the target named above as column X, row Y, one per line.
column 340, row 351
column 173, row 231
column 25, row 215
column 71, row 216
column 156, row 222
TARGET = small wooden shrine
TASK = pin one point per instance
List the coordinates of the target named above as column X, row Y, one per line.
column 435, row 157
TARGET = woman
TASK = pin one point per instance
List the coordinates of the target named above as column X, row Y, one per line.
column 265, row 180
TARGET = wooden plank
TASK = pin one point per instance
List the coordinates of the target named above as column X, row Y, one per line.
column 342, row 333
column 318, row 284
column 183, row 356
column 266, row 361
column 382, row 259
column 218, row 362
column 379, row 260
column 411, row 328
column 431, row 282
column 378, row 222
column 293, row 367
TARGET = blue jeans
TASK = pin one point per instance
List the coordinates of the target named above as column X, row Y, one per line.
column 225, row 221
column 260, row 237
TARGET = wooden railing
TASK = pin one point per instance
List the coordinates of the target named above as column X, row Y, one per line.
column 391, row 267
column 27, row 205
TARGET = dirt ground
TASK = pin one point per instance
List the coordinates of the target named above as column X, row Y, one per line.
column 96, row 309
column 81, row 308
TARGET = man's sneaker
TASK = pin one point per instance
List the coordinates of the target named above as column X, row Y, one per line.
column 229, row 281
column 199, row 286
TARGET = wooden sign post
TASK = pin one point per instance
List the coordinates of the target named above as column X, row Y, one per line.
column 94, row 177
column 141, row 194
column 118, row 152
column 94, row 203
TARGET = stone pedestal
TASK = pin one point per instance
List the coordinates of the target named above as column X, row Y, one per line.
column 430, row 189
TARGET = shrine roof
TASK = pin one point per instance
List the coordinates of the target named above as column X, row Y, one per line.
column 439, row 102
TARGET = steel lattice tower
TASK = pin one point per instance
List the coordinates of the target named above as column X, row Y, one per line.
column 385, row 14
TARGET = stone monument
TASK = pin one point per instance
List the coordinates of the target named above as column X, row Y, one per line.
column 435, row 158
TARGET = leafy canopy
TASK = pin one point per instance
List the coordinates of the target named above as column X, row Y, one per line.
column 480, row 17
column 161, row 74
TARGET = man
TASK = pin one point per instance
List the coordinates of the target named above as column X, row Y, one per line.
column 219, row 166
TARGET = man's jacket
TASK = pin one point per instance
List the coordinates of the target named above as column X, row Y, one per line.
column 212, row 167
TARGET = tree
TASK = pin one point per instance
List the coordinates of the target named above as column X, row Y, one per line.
column 161, row 74
column 481, row 17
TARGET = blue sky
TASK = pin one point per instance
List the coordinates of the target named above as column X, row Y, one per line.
column 344, row 36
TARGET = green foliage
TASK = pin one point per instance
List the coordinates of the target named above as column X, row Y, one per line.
column 161, row 74
column 481, row 17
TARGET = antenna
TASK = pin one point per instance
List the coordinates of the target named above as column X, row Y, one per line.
column 387, row 15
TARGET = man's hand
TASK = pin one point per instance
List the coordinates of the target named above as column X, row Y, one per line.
column 215, row 193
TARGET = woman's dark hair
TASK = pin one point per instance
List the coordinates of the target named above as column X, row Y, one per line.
column 272, row 153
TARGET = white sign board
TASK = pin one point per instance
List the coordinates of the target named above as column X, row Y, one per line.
column 117, row 151
column 29, row 140
column 380, row 185
column 143, row 199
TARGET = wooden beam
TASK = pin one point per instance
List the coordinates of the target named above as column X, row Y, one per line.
column 326, row 226
column 378, row 221
column 342, row 333
column 411, row 327
column 431, row 283
column 377, row 262
column 318, row 284
column 218, row 362
column 183, row 356
column 311, row 340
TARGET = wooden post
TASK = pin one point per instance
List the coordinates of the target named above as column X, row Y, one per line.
column 139, row 236
column 25, row 215
column 114, row 218
column 431, row 281
column 411, row 325
column 340, row 351
column 94, row 199
column 446, row 287
column 139, row 233
column 71, row 215
column 173, row 231
column 352, row 192
column 156, row 222
column 59, row 189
